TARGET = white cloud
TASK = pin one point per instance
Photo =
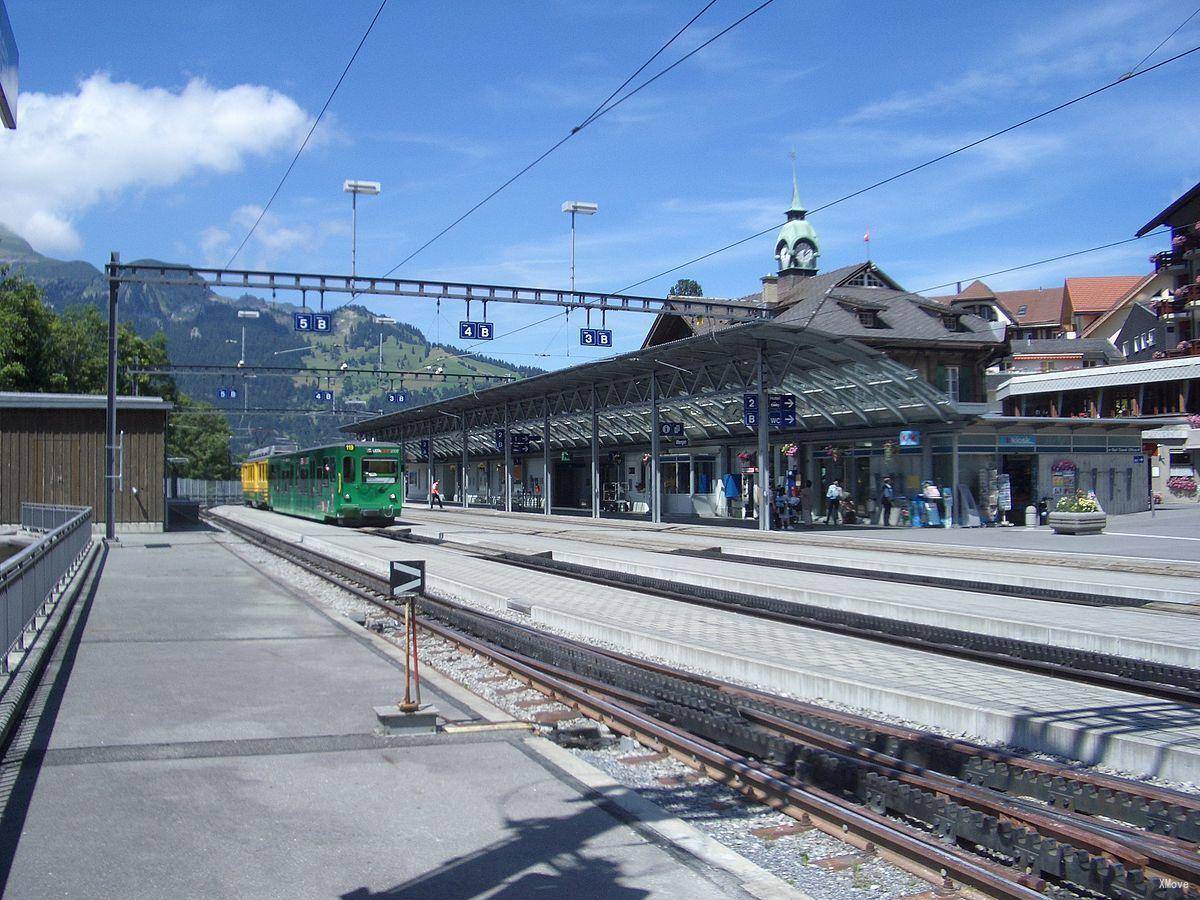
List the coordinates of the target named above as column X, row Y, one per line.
column 75, row 150
column 272, row 239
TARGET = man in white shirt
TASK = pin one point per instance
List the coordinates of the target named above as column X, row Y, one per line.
column 833, row 501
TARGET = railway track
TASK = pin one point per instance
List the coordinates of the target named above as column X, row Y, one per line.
column 1178, row 684
column 1001, row 824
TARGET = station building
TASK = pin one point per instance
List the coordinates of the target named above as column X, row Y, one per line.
column 860, row 378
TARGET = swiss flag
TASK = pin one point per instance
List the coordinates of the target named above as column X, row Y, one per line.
column 867, row 236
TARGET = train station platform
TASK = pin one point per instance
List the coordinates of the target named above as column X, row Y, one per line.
column 204, row 730
column 1095, row 725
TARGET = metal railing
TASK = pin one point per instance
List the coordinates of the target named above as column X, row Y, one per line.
column 42, row 517
column 29, row 580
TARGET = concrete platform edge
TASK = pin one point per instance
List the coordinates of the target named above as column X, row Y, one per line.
column 754, row 879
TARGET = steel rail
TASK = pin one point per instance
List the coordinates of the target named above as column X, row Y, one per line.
column 1102, row 840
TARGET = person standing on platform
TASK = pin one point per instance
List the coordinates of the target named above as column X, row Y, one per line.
column 887, row 493
column 435, row 493
column 806, row 502
column 833, row 500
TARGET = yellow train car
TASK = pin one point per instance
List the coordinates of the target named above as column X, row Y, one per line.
column 255, row 485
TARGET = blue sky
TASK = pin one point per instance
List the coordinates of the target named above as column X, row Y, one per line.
column 159, row 129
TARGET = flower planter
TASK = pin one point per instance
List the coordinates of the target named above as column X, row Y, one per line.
column 1078, row 522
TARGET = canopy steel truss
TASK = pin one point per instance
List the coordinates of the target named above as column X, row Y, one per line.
column 320, row 284
column 316, row 372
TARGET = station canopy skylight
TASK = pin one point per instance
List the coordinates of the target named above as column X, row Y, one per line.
column 837, row 384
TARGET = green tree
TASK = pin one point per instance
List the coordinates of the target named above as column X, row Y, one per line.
column 200, row 433
column 686, row 287
column 27, row 360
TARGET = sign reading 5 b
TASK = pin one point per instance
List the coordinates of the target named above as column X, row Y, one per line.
column 321, row 323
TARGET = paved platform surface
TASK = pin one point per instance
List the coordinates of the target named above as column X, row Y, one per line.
column 203, row 731
column 1158, row 635
column 1092, row 724
column 1170, row 536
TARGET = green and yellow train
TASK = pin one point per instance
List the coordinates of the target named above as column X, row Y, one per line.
column 349, row 484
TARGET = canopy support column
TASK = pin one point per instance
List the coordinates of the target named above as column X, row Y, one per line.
column 429, row 466
column 465, row 463
column 546, row 460
column 956, row 505
column 655, row 492
column 595, row 457
column 764, row 445
column 508, row 464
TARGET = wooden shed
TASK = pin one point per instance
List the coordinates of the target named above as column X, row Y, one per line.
column 52, row 451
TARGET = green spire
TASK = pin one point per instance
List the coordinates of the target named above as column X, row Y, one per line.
column 797, row 206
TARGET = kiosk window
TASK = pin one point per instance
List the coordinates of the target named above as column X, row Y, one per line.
column 379, row 471
column 348, row 470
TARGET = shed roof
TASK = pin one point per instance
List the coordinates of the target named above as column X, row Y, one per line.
column 1104, row 376
column 24, row 400
column 700, row 380
column 1183, row 211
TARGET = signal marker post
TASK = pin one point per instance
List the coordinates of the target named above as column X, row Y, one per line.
column 406, row 579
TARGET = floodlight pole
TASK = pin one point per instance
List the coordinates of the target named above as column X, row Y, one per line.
column 110, row 439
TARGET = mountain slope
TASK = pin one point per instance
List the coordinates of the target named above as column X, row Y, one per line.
column 202, row 327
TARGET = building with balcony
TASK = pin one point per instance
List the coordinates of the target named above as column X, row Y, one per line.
column 1178, row 306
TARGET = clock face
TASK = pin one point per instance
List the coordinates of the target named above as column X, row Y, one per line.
column 806, row 255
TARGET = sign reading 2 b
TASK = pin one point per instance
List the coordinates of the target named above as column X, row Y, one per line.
column 321, row 323
column 595, row 337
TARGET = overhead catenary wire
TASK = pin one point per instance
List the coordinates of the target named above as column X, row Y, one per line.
column 916, row 168
column 1042, row 262
column 308, row 137
column 1158, row 46
column 600, row 111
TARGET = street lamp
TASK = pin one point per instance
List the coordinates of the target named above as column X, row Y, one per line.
column 584, row 209
column 382, row 320
column 354, row 188
column 245, row 314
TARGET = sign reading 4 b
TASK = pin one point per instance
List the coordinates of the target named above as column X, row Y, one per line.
column 321, row 323
column 476, row 331
column 595, row 337
column 322, row 395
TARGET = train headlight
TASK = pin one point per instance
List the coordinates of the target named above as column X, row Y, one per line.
column 345, row 496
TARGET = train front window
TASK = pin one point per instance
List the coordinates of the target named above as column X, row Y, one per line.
column 379, row 471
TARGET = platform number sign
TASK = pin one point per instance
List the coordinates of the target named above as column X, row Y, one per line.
column 499, row 440
column 425, row 448
column 670, row 429
column 320, row 323
column 476, row 331
column 781, row 410
column 322, row 395
column 397, row 397
column 595, row 337
column 227, row 393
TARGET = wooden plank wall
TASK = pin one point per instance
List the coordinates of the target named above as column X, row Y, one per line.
column 57, row 456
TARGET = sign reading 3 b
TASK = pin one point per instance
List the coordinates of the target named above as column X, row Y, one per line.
column 321, row 323
column 595, row 337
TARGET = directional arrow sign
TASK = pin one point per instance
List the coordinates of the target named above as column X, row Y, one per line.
column 407, row 577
